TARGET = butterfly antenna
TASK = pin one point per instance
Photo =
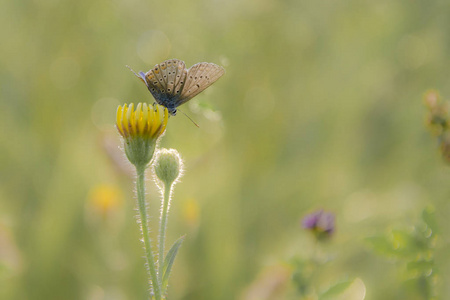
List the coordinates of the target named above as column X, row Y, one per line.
column 133, row 72
column 189, row 118
column 138, row 76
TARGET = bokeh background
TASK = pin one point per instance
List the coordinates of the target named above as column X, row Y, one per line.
column 321, row 107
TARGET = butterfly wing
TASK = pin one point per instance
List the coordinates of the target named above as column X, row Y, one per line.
column 166, row 79
column 198, row 78
column 169, row 69
column 180, row 76
column 171, row 84
column 159, row 72
column 154, row 85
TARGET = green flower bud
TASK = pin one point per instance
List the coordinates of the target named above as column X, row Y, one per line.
column 168, row 166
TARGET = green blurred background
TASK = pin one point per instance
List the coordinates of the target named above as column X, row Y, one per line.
column 321, row 107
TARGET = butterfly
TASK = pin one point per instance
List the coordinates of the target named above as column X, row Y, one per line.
column 171, row 84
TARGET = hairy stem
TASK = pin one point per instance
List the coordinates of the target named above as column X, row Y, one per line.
column 162, row 228
column 140, row 187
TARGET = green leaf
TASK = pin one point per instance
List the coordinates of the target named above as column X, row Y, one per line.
column 335, row 289
column 405, row 243
column 420, row 266
column 382, row 245
column 168, row 262
column 429, row 217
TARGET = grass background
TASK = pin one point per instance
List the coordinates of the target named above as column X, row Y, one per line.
column 321, row 107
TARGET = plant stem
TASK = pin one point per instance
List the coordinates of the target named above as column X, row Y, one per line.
column 140, row 187
column 162, row 228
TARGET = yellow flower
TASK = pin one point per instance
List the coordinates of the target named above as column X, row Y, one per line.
column 104, row 203
column 141, row 128
column 104, row 198
column 191, row 212
column 145, row 120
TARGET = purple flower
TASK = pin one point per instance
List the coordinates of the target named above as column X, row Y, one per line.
column 320, row 222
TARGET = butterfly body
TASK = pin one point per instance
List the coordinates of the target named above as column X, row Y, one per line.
column 171, row 84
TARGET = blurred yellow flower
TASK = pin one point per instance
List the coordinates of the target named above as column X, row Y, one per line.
column 145, row 121
column 191, row 212
column 104, row 199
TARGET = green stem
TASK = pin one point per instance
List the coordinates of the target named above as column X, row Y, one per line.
column 140, row 187
column 162, row 228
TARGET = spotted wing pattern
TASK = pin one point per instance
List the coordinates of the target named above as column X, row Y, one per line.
column 162, row 79
column 199, row 77
column 180, row 77
column 154, row 81
column 171, row 84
